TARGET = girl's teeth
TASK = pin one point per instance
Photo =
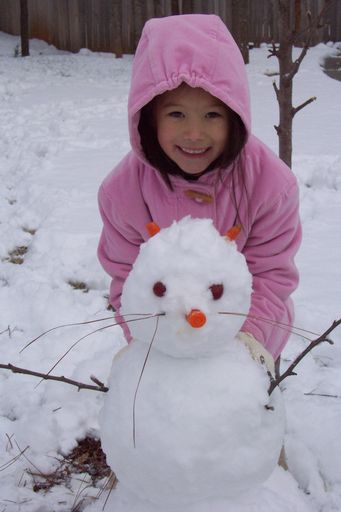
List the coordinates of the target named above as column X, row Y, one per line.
column 193, row 151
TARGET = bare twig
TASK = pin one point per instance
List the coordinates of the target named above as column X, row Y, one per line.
column 304, row 104
column 9, row 330
column 313, row 344
column 280, row 325
column 76, row 343
column 96, row 381
column 312, row 25
column 326, row 395
column 275, row 86
column 73, row 325
column 102, row 388
column 45, row 376
column 13, row 460
column 9, row 444
column 296, row 64
column 111, row 484
column 80, row 385
column 140, row 377
column 274, row 51
column 83, row 486
column 141, row 317
column 64, row 325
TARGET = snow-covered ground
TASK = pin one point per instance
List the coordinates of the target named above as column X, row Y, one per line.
column 63, row 127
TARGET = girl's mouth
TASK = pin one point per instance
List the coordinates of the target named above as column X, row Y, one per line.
column 193, row 152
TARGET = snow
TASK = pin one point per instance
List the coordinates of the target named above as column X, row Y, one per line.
column 63, row 127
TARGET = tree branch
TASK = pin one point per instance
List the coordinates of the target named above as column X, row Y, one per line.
column 274, row 85
column 297, row 109
column 296, row 64
column 274, row 51
column 290, row 371
column 44, row 376
column 312, row 25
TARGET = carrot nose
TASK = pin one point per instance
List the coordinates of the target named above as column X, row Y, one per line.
column 196, row 318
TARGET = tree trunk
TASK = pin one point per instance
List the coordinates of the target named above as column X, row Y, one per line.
column 284, row 94
column 25, row 52
column 290, row 34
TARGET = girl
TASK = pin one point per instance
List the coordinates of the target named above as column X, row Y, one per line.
column 193, row 154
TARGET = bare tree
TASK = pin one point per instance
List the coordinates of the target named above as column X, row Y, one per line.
column 289, row 36
column 25, row 52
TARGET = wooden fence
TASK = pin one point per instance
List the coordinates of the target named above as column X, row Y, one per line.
column 115, row 25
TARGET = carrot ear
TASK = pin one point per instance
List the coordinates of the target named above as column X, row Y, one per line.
column 233, row 232
column 152, row 228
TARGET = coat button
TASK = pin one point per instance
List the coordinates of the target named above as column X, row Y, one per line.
column 199, row 197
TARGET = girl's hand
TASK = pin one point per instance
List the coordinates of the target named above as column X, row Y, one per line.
column 258, row 352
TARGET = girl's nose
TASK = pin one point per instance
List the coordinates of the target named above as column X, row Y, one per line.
column 193, row 131
column 196, row 318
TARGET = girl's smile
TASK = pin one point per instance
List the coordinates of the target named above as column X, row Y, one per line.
column 192, row 127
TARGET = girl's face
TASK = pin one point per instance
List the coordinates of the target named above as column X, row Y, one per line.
column 192, row 127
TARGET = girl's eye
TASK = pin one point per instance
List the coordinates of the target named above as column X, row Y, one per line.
column 159, row 289
column 217, row 291
column 176, row 114
column 213, row 115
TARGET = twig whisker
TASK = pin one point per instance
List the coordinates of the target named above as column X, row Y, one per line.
column 94, row 332
column 324, row 395
column 140, row 377
column 280, row 325
column 75, row 324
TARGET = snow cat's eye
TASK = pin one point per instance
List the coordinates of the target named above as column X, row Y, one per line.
column 217, row 291
column 159, row 289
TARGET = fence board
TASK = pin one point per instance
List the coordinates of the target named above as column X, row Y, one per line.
column 115, row 25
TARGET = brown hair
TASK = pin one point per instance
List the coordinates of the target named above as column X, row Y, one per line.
column 166, row 166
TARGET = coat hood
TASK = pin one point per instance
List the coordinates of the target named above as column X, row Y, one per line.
column 196, row 49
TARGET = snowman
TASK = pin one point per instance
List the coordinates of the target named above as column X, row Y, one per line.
column 188, row 418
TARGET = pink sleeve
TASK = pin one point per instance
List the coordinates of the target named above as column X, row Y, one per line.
column 272, row 244
column 117, row 250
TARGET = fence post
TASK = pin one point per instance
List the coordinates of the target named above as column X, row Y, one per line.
column 25, row 51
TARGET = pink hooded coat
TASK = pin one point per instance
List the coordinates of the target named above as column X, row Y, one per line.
column 199, row 50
